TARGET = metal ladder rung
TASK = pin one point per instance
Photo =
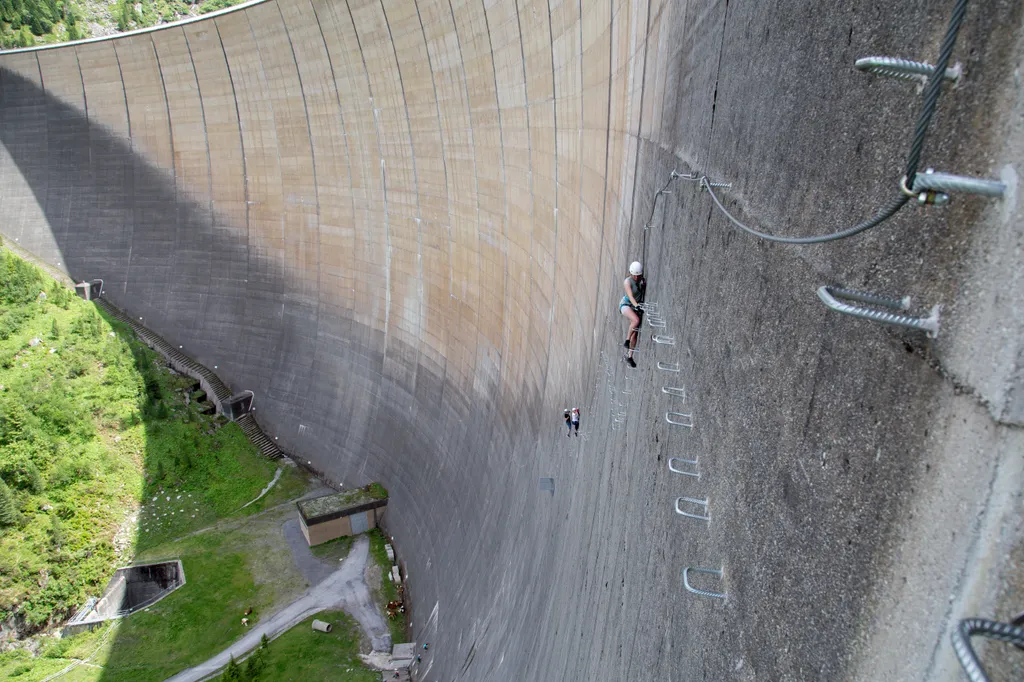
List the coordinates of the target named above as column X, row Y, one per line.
column 678, row 391
column 687, row 419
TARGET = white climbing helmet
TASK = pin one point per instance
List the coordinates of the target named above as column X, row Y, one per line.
column 636, row 269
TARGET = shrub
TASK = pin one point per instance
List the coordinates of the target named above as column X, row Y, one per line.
column 18, row 470
column 57, row 534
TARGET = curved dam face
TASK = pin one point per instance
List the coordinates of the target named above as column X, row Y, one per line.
column 404, row 224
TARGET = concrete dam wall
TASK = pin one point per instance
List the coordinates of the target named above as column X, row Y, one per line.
column 404, row 224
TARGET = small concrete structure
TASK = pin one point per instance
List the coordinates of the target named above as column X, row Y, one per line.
column 402, row 655
column 349, row 512
column 321, row 626
column 132, row 588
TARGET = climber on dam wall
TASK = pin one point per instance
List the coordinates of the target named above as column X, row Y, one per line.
column 635, row 286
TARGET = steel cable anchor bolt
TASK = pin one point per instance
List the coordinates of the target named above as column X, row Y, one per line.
column 931, row 188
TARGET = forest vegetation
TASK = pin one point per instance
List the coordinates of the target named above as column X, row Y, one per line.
column 26, row 23
column 104, row 452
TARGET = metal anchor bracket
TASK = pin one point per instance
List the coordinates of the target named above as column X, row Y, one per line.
column 706, row 183
column 674, row 464
column 932, row 187
column 705, row 516
column 703, row 593
column 829, row 296
column 906, row 69
column 679, row 419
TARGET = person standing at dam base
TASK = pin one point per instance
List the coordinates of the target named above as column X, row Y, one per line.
column 568, row 423
column 576, row 420
column 635, row 286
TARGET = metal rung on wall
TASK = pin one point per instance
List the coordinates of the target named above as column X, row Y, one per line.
column 669, row 366
column 829, row 296
column 678, row 391
column 667, row 340
column 694, row 590
column 676, row 470
column 685, row 419
column 706, row 516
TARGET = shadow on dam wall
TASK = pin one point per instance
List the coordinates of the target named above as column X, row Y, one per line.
column 447, row 457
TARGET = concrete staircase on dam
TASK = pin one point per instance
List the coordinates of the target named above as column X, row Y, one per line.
column 211, row 383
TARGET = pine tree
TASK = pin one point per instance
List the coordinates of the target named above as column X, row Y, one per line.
column 254, row 666
column 8, row 508
column 35, row 479
column 264, row 642
column 54, row 330
column 233, row 673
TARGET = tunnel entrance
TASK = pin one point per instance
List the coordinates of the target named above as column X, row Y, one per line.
column 132, row 588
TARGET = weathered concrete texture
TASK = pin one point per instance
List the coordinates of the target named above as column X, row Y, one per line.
column 404, row 225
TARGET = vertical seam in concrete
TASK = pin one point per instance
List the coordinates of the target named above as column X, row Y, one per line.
column 529, row 152
column 640, row 118
column 241, row 145
column 444, row 164
column 416, row 183
column 384, row 190
column 364, row 210
column 316, row 191
column 88, row 128
column 504, row 182
column 85, row 100
column 170, row 138
column 277, row 149
column 167, row 106
column 632, row 212
column 580, row 167
column 718, row 75
column 46, row 132
column 209, row 162
column 344, row 135
column 131, row 152
column 341, row 114
column 554, row 255
column 607, row 152
column 476, row 179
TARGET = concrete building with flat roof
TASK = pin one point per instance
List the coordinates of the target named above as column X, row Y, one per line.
column 349, row 512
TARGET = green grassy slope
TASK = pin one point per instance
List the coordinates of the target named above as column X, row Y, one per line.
column 96, row 438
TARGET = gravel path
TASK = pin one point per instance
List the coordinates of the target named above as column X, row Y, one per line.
column 345, row 588
column 314, row 570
